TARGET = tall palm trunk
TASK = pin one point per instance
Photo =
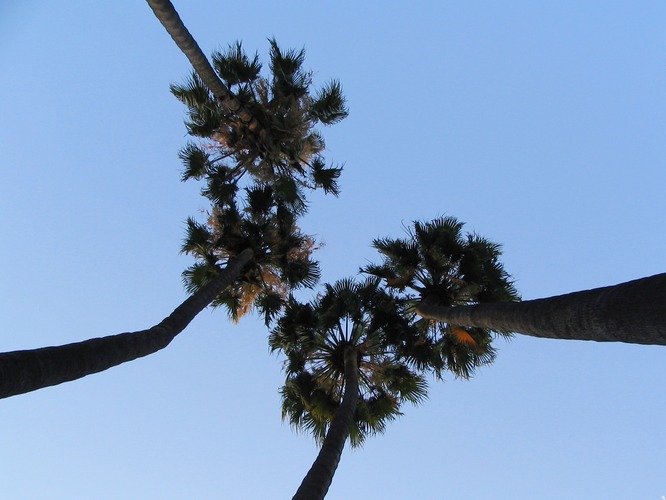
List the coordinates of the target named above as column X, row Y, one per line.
column 167, row 15
column 319, row 477
column 25, row 371
column 633, row 312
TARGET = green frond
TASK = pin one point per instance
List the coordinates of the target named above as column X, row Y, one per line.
column 289, row 78
column 400, row 380
column 197, row 239
column 269, row 305
column 294, row 330
column 198, row 275
column 260, row 199
column 193, row 93
column 221, row 188
column 306, row 406
column 326, row 178
column 381, row 271
column 234, row 66
column 328, row 105
column 195, row 162
column 231, row 300
column 301, row 273
column 291, row 194
column 440, row 241
column 400, row 252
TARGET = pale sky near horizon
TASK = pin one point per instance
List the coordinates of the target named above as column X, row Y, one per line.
column 541, row 125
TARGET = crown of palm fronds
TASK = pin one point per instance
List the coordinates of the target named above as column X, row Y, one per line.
column 282, row 253
column 438, row 260
column 314, row 337
column 256, row 174
column 282, row 142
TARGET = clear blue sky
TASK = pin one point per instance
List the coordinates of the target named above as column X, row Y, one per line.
column 540, row 124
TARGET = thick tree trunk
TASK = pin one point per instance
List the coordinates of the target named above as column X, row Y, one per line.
column 25, row 371
column 319, row 477
column 632, row 312
column 167, row 15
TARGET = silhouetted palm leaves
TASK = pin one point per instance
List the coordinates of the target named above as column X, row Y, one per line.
column 439, row 262
column 256, row 175
column 314, row 337
column 282, row 147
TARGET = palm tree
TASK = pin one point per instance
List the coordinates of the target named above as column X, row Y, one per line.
column 281, row 253
column 345, row 378
column 167, row 15
column 29, row 370
column 256, row 179
column 632, row 312
column 284, row 150
column 251, row 229
column 265, row 118
column 438, row 262
column 437, row 265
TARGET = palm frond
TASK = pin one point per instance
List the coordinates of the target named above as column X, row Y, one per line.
column 301, row 273
column 289, row 78
column 221, row 188
column 260, row 199
column 326, row 178
column 289, row 192
column 193, row 93
column 269, row 305
column 198, row 275
column 195, row 162
column 234, row 66
column 328, row 105
column 197, row 239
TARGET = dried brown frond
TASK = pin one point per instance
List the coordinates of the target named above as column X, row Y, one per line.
column 462, row 336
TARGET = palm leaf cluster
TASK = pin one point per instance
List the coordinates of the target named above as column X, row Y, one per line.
column 438, row 261
column 256, row 174
column 281, row 144
column 314, row 336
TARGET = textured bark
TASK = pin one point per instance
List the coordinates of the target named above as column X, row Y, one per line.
column 319, row 477
column 167, row 15
column 25, row 371
column 632, row 312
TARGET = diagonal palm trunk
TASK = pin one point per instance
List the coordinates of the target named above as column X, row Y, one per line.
column 167, row 15
column 25, row 371
column 632, row 312
column 319, row 477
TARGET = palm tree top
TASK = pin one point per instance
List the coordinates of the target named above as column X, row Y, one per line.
column 315, row 336
column 438, row 261
column 284, row 143
column 256, row 176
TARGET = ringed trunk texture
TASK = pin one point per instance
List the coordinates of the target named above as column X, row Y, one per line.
column 632, row 312
column 167, row 15
column 29, row 370
column 319, row 477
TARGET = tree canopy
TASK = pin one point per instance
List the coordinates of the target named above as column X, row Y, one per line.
column 273, row 281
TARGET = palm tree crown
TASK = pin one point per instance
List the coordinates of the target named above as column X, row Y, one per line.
column 439, row 262
column 354, row 356
column 315, row 336
column 256, row 176
column 284, row 148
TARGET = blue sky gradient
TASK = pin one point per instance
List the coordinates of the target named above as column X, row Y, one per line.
column 541, row 125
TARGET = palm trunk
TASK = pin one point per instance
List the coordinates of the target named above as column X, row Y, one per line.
column 167, row 15
column 25, row 371
column 633, row 312
column 319, row 477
